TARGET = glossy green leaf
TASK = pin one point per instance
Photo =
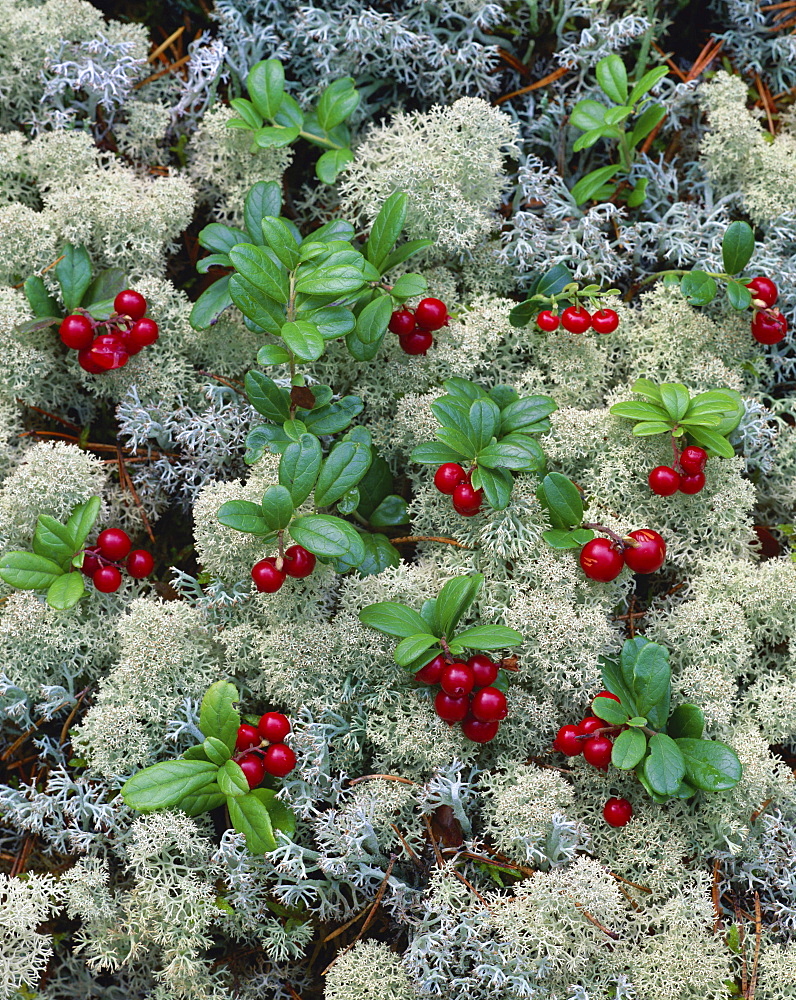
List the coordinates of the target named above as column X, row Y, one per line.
column 562, row 539
column 264, row 199
column 612, row 78
column 304, row 340
column 217, row 715
column 216, row 750
column 39, row 299
column 710, row 764
column 512, row 452
column 328, row 537
column 256, row 305
column 484, row 420
column 272, row 354
column 82, row 520
column 712, row 442
column 664, row 768
column 73, row 272
column 404, row 252
column 737, row 247
column 647, row 671
column 250, row 816
column 699, row 288
column 231, row 779
column 343, row 468
column 524, row 414
column 243, row 515
column 330, row 164
column 629, row 748
column 277, row 507
column 410, row 648
column 276, row 136
column 409, row 286
column 163, row 785
column 489, row 637
column 279, row 238
column 334, row 417
column 266, row 437
column 614, row 681
column 588, row 186
column 54, row 540
column 635, row 410
column 28, row 571
column 332, row 321
column 374, row 486
column 267, row 397
column 646, row 83
column 593, row 135
column 497, row 485
column 454, row 599
column 686, row 722
column 610, row 711
column 645, row 387
column 202, row 799
column 638, row 193
column 66, row 591
column 393, row 619
column 213, row 260
column 458, row 441
column 299, row 467
column 587, row 115
column 219, row 238
column 266, row 86
column 390, row 512
column 337, row 102
column 646, row 122
column 386, row 228
column 247, row 111
column 676, row 398
column 257, row 267
column 211, row 303
column 282, row 818
column 648, row 428
column 560, row 497
column 738, row 295
column 616, row 115
column 434, row 453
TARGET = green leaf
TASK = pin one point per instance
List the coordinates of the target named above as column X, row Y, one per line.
column 256, row 305
column 250, row 816
column 458, row 441
column 453, row 600
column 337, row 102
column 560, row 497
column 211, row 303
column 712, row 442
column 554, row 281
column 635, row 410
column 250, row 115
column 560, row 538
column 282, row 818
column 588, row 186
column 216, row 751
column 393, row 619
column 82, row 520
column 413, row 646
column 676, row 398
column 616, row 115
column 328, row 537
column 54, row 540
column 213, row 260
column 299, row 467
column 27, row 571
column 686, row 722
column 489, row 637
column 279, row 238
column 220, row 238
column 484, row 420
column 349, row 502
column 202, row 800
column 39, row 299
column 266, row 86
column 610, row 711
column 277, row 507
column 637, row 720
column 497, row 485
column 629, row 748
column 409, row 286
column 243, row 515
column 372, row 321
column 334, row 417
column 593, row 135
column 433, row 453
column 648, row 428
column 515, row 451
column 737, row 247
column 374, row 486
column 646, row 668
column 231, row 779
column 738, row 295
column 289, row 114
column 330, row 164
column 344, row 467
column 710, row 764
column 644, row 387
column 339, row 279
column 655, row 796
column 276, row 136
column 612, row 78
column 646, row 83
column 525, row 413
column 264, row 438
column 404, row 252
column 504, row 396
column 264, row 199
column 73, row 272
column 164, row 785
column 66, row 591
column 638, row 193
column 304, row 340
column 645, row 123
column 664, row 768
column 267, row 397
column 390, row 512
column 272, row 354
column 332, row 321
column 614, row 681
column 217, row 716
column 257, row 267
column 698, row 287
column 588, row 115
column 386, row 229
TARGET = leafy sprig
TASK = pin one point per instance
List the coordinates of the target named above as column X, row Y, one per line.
column 556, row 289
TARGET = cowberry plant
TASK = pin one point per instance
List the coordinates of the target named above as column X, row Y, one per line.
column 633, row 727
column 489, row 431
column 599, row 121
column 275, row 119
column 557, row 289
column 219, row 772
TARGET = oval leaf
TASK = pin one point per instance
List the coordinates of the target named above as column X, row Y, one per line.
column 629, row 748
column 163, row 785
column 710, row 764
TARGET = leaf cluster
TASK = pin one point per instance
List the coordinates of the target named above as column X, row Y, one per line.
column 555, row 288
column 737, row 247
column 207, row 776
column 562, row 501
column 491, row 431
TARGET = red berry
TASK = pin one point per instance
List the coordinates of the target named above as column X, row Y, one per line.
column 547, row 321
column 88, row 363
column 298, row 562
column 693, row 483
column 769, row 327
column 597, row 751
column 664, row 481
column 253, row 767
column 76, row 331
column 648, row 555
column 466, row 500
column 247, row 737
column 763, row 289
column 107, row 579
column 567, row 741
column 90, row 561
column 484, row 670
column 605, row 321
column 130, row 303
column 587, row 726
column 140, row 564
column 141, row 334
column 693, row 459
column 457, row 679
column 575, row 319
column 401, row 322
column 601, row 560
column 267, row 578
column 431, row 672
column 279, row 760
column 273, row 726
column 416, row 342
column 431, row 314
column 617, row 812
column 451, row 709
column 448, row 477
column 105, row 354
column 489, row 705
column 606, row 694
column 113, row 543
column 479, row 732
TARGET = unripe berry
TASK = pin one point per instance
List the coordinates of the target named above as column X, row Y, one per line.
column 693, row 459
column 588, row 725
column 477, row 731
column 298, row 562
column 253, row 767
column 431, row 672
column 431, row 314
column 769, row 328
column 648, row 555
column 489, row 705
column 576, row 319
column 567, row 741
column 484, row 670
column 76, row 331
column 107, row 579
column 448, row 476
column 692, row 484
column 457, row 679
column 466, row 500
column 113, row 543
column 617, row 812
column 605, row 321
column 597, row 751
column 601, row 560
column 401, row 322
column 140, row 564
column 548, row 321
column 267, row 578
column 247, row 737
column 279, row 760
column 273, row 726
column 416, row 342
column 764, row 290
column 130, row 303
column 451, row 709
column 664, row 481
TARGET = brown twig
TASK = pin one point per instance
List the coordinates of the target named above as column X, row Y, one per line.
column 714, row 895
column 71, row 716
column 756, row 959
column 611, row 934
column 550, row 78
column 127, row 483
column 386, row 777
column 162, row 72
column 164, row 45
column 744, row 982
column 767, row 102
column 755, row 815
column 371, row 914
column 21, row 860
column 231, row 383
column 635, row 885
column 411, row 539
column 44, row 270
column 52, row 416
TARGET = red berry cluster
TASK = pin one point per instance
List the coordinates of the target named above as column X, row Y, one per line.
column 269, row 574
column 589, row 738
column 453, row 481
column 576, row 319
column 466, row 694
column 100, row 561
column 665, row 480
column 254, row 759
column 414, row 329
column 769, row 326
column 128, row 331
column 603, row 558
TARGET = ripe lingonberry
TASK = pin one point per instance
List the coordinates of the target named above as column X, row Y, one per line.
column 141, row 334
column 567, row 741
column 416, row 342
column 575, row 319
column 448, row 476
column 130, row 303
column 548, row 321
column 769, row 327
column 466, row 500
column 267, row 578
column 431, row 314
column 113, row 543
column 648, row 554
column 484, row 670
column 489, row 705
column 298, row 562
column 140, row 564
column 451, row 709
column 477, row 731
column 601, row 560
column 764, row 290
column 588, row 725
column 88, row 362
column 693, row 483
column 107, row 579
column 597, row 751
column 457, row 679
column 90, row 561
column 76, row 331
column 279, row 760
column 402, row 321
column 664, row 481
column 106, row 353
column 247, row 737
column 693, row 459
column 431, row 672
column 273, row 726
column 253, row 767
column 605, row 321
column 617, row 812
